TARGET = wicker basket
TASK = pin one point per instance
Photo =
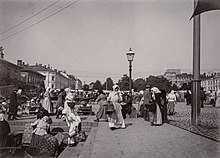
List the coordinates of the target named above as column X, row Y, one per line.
column 34, row 152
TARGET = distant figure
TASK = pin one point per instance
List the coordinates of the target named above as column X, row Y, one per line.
column 70, row 97
column 116, row 119
column 60, row 104
column 164, row 105
column 171, row 103
column 46, row 102
column 156, row 116
column 217, row 104
column 4, row 129
column 13, row 105
column 102, row 101
column 148, row 107
column 188, row 97
column 202, row 97
column 212, row 98
column 126, row 105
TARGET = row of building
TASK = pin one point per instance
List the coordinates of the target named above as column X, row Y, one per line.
column 35, row 75
column 210, row 81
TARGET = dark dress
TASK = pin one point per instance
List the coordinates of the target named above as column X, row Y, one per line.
column 13, row 105
column 102, row 101
column 4, row 131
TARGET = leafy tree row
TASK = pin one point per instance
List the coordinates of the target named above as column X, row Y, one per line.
column 138, row 84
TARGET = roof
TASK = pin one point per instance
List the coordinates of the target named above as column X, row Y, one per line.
column 8, row 62
column 28, row 69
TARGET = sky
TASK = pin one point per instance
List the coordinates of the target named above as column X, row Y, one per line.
column 90, row 38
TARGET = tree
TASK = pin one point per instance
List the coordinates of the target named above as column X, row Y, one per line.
column 159, row 82
column 123, row 83
column 97, row 85
column 139, row 84
column 109, row 85
column 85, row 87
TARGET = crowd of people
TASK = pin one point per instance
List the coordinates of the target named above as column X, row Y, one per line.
column 154, row 105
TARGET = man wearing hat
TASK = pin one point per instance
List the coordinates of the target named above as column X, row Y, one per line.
column 147, row 102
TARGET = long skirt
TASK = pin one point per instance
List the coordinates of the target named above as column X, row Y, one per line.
column 47, row 105
column 170, row 107
column 116, row 119
column 101, row 114
column 156, row 117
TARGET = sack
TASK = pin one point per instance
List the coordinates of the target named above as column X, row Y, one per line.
column 110, row 108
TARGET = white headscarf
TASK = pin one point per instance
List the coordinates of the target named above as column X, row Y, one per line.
column 115, row 86
column 155, row 90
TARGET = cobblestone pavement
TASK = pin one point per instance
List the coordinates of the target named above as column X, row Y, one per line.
column 210, row 120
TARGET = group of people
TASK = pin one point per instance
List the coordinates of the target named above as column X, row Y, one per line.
column 154, row 106
column 114, row 117
column 65, row 109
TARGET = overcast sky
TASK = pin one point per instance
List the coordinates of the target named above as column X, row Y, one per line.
column 90, row 38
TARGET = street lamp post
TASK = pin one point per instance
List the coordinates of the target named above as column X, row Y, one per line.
column 130, row 56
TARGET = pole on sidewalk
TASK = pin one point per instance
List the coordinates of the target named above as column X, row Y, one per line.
column 196, row 85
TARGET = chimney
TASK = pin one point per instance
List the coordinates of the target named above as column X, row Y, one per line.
column 19, row 62
column 48, row 66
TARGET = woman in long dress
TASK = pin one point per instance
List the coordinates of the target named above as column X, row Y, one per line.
column 116, row 119
column 171, row 103
column 102, row 101
column 157, row 116
column 46, row 102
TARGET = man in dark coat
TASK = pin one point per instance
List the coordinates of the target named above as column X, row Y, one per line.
column 147, row 102
column 13, row 105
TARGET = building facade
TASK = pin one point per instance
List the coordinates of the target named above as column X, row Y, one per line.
column 29, row 76
column 211, row 83
column 10, row 74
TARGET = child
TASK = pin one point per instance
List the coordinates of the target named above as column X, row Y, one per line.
column 74, row 123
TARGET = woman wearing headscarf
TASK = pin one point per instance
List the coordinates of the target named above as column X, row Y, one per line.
column 156, row 116
column 46, row 102
column 70, row 96
column 102, row 101
column 116, row 119
column 171, row 98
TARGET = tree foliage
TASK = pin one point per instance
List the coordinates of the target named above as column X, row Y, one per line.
column 123, row 83
column 109, row 85
column 97, row 85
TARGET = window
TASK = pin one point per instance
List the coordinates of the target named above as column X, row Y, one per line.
column 52, row 86
column 52, row 78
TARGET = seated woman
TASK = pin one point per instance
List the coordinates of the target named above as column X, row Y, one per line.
column 41, row 129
